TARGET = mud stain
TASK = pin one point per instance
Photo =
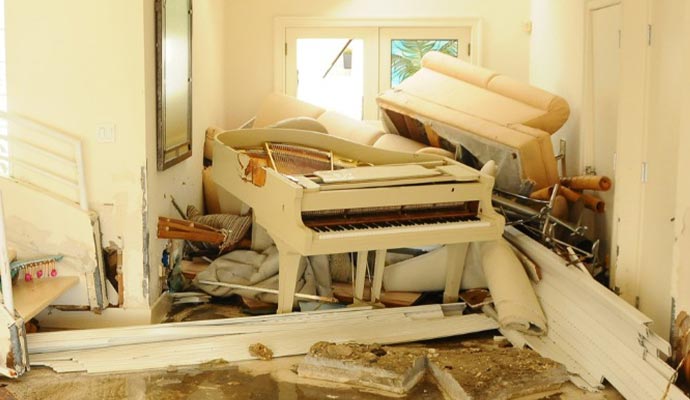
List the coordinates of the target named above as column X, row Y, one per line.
column 198, row 383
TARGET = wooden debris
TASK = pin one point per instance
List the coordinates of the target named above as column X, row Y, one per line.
column 254, row 304
column 587, row 182
column 367, row 365
column 191, row 343
column 476, row 298
column 190, row 268
column 171, row 228
column 343, row 292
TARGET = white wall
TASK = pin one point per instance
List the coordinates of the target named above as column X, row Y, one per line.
column 77, row 65
column 74, row 66
column 556, row 64
column 183, row 181
column 249, row 34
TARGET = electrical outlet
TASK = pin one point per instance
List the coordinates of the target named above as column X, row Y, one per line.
column 105, row 133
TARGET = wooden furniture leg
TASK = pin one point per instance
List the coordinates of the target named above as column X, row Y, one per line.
column 361, row 274
column 455, row 266
column 288, row 268
column 379, row 264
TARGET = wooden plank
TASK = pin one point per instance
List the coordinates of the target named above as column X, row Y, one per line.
column 32, row 297
column 235, row 347
column 343, row 291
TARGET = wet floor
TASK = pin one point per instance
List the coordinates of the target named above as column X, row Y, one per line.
column 207, row 383
column 260, row 380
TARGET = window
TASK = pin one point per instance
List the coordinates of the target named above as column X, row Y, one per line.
column 343, row 64
column 406, row 55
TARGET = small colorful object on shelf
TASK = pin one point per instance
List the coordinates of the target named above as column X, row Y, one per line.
column 36, row 267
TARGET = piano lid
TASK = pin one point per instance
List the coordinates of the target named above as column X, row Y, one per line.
column 248, row 138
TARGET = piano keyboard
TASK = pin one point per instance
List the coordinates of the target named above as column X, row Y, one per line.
column 355, row 226
column 344, row 231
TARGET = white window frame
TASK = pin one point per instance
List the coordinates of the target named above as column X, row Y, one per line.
column 284, row 58
column 387, row 34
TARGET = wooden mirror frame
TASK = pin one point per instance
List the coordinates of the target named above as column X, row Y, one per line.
column 168, row 153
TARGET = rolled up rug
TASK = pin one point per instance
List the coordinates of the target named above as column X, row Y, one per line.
column 516, row 304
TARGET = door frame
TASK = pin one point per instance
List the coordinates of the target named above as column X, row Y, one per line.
column 587, row 119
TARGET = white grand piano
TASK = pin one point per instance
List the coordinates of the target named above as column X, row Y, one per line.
column 319, row 194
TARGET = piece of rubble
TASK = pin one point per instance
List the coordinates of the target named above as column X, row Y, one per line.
column 494, row 374
column 368, row 365
column 259, row 350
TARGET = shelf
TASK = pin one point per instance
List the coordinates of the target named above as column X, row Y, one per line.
column 30, row 298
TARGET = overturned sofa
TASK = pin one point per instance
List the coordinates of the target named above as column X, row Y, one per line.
column 479, row 115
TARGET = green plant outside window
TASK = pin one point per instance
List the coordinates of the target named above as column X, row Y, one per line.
column 406, row 55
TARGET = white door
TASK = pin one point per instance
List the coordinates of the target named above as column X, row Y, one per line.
column 605, row 63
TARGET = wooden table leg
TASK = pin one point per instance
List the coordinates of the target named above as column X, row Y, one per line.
column 379, row 265
column 288, row 269
column 361, row 274
column 455, row 266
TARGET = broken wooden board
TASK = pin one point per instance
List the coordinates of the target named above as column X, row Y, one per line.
column 593, row 332
column 367, row 365
column 494, row 374
column 343, row 292
column 140, row 348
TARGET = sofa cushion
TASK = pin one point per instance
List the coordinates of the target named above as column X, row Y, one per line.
column 554, row 109
column 277, row 107
column 444, row 90
column 347, row 128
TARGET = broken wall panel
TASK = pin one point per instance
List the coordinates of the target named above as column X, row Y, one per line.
column 40, row 224
column 593, row 332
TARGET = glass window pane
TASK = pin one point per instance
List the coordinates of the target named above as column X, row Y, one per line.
column 406, row 55
column 330, row 74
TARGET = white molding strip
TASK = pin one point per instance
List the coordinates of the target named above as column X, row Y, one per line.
column 187, row 344
column 594, row 333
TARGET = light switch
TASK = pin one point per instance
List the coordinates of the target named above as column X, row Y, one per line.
column 105, row 133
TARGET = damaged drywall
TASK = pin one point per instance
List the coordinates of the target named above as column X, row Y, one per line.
column 145, row 232
column 40, row 224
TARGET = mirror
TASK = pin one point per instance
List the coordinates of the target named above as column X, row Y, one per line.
column 174, row 81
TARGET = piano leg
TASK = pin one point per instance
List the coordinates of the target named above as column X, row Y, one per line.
column 361, row 274
column 379, row 264
column 455, row 267
column 288, row 269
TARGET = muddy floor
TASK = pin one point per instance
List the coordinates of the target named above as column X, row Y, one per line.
column 264, row 380
column 260, row 380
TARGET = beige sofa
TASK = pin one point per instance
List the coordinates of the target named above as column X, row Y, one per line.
column 450, row 103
